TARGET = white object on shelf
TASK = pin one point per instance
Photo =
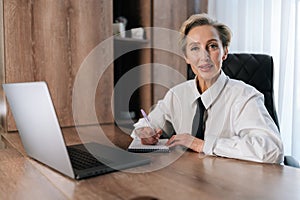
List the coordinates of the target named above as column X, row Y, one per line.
column 119, row 29
column 137, row 33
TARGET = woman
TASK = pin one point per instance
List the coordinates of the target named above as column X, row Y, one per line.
column 237, row 123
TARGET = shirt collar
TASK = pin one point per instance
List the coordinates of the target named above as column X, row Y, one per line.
column 211, row 94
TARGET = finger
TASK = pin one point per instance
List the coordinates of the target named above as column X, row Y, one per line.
column 150, row 132
column 145, row 132
column 149, row 141
column 177, row 140
column 175, row 143
column 171, row 140
column 157, row 136
column 139, row 132
column 145, row 141
column 185, row 139
column 159, row 132
column 143, row 135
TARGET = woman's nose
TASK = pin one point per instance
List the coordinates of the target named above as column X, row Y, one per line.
column 203, row 55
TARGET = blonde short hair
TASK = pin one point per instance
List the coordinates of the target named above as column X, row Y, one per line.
column 200, row 20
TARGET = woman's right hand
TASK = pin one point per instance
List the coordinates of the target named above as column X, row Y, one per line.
column 148, row 135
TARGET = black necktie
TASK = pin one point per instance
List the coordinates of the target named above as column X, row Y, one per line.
column 198, row 122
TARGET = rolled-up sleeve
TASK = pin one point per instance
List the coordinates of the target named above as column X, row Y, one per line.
column 256, row 137
column 159, row 115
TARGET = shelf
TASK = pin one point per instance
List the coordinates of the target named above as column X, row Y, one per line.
column 130, row 40
column 129, row 53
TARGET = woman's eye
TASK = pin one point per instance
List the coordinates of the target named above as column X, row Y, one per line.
column 212, row 46
column 194, row 48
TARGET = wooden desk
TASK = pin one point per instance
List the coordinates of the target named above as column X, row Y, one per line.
column 189, row 177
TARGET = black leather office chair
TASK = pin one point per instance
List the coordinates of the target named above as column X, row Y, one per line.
column 256, row 70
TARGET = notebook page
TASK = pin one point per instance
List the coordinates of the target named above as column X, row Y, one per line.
column 137, row 146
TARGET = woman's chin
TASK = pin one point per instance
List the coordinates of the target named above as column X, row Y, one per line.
column 208, row 75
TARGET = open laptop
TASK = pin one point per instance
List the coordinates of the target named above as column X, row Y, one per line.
column 41, row 136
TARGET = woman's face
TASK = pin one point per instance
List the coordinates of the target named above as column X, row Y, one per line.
column 205, row 53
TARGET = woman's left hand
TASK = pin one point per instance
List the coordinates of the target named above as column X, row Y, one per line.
column 186, row 140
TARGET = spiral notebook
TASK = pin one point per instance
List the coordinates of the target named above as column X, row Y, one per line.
column 137, row 147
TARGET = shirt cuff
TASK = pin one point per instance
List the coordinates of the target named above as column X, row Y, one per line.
column 209, row 144
column 133, row 135
column 140, row 124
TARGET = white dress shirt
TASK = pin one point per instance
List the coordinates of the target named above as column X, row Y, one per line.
column 237, row 126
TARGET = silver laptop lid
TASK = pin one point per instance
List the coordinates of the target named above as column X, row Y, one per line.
column 37, row 124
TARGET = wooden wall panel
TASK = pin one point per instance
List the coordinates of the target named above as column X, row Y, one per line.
column 168, row 14
column 145, row 13
column 48, row 40
column 51, row 53
column 171, row 14
column 197, row 6
column 90, row 24
column 18, row 40
column 2, row 73
column 18, row 44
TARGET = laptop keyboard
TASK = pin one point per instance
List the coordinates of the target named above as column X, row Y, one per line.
column 82, row 159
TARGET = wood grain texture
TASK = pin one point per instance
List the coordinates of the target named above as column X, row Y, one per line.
column 2, row 72
column 88, row 30
column 21, row 180
column 19, row 65
column 48, row 41
column 197, row 6
column 145, row 16
column 77, row 135
column 168, row 14
column 191, row 176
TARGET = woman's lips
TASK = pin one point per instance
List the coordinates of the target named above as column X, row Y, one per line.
column 205, row 67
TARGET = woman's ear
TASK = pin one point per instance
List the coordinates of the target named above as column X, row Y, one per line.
column 225, row 53
column 187, row 60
